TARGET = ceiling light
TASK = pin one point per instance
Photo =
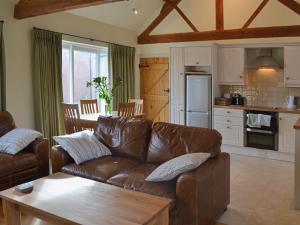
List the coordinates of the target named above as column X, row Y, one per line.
column 135, row 11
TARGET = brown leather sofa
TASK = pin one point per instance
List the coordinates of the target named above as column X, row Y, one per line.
column 138, row 147
column 29, row 164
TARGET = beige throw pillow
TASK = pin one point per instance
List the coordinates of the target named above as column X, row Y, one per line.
column 174, row 167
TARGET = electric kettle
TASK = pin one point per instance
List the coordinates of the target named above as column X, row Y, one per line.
column 291, row 102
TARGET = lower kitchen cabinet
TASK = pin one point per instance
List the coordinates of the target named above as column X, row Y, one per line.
column 230, row 124
column 231, row 135
column 177, row 114
column 287, row 132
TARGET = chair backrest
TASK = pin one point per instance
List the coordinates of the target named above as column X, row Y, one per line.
column 89, row 106
column 71, row 118
column 126, row 109
column 139, row 104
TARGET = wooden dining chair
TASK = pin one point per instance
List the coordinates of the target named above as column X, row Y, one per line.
column 71, row 118
column 89, row 106
column 126, row 109
column 139, row 104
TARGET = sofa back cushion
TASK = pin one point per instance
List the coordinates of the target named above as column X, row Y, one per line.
column 170, row 140
column 125, row 136
column 6, row 123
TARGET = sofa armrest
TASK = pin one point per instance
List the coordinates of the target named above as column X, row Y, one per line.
column 203, row 194
column 59, row 158
column 40, row 147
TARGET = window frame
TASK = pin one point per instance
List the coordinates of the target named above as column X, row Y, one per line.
column 98, row 50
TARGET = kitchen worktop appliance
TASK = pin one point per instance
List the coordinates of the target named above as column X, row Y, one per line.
column 237, row 99
column 264, row 137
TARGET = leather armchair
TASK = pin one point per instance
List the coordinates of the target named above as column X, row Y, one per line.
column 29, row 164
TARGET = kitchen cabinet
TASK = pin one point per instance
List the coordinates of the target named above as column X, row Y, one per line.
column 197, row 56
column 177, row 114
column 232, row 66
column 230, row 124
column 292, row 66
column 177, row 85
column 287, row 132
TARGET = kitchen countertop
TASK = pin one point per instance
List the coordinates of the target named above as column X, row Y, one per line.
column 260, row 108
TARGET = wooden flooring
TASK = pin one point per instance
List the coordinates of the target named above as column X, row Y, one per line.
column 32, row 221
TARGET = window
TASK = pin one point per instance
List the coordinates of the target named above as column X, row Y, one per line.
column 82, row 63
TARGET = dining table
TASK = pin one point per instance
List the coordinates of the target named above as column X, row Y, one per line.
column 89, row 121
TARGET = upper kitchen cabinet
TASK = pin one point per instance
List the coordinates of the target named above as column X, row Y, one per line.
column 198, row 56
column 292, row 66
column 232, row 66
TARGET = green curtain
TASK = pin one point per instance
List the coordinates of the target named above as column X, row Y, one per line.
column 47, row 82
column 122, row 67
column 2, row 71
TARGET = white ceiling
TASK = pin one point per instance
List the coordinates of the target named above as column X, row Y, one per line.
column 120, row 13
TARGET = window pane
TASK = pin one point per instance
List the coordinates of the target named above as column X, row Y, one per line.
column 83, row 72
column 66, row 74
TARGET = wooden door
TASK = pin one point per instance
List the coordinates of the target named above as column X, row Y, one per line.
column 155, row 88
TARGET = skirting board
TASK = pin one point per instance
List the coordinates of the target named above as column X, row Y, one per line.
column 254, row 152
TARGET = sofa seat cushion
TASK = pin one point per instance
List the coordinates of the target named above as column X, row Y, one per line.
column 135, row 180
column 101, row 169
column 10, row 164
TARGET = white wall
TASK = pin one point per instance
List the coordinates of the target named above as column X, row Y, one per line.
column 17, row 34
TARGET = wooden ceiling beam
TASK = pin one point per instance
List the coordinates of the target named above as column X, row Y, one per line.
column 255, row 14
column 262, row 32
column 292, row 4
column 219, row 14
column 31, row 8
column 167, row 8
column 186, row 19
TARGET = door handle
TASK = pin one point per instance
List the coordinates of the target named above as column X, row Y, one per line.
column 167, row 90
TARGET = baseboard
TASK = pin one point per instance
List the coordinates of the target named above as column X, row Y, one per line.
column 254, row 152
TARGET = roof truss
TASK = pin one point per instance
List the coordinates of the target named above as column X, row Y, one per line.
column 219, row 33
column 31, row 8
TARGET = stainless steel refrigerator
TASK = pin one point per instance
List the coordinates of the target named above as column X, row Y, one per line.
column 198, row 109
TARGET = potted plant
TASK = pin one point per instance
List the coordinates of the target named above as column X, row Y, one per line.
column 106, row 90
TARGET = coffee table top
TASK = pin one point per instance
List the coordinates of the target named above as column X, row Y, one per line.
column 83, row 201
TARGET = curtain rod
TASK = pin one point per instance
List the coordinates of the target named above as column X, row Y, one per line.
column 77, row 36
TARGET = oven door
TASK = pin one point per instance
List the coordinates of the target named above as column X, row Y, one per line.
column 261, row 139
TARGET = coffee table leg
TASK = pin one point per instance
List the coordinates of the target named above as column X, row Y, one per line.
column 164, row 217
column 161, row 219
column 12, row 215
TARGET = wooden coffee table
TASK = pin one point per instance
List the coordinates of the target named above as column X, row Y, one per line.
column 65, row 199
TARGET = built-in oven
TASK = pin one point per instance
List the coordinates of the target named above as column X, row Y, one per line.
column 264, row 137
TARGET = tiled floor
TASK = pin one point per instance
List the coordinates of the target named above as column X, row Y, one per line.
column 261, row 193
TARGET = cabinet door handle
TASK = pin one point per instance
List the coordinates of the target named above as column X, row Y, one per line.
column 228, row 127
column 197, row 63
column 241, row 77
column 287, row 78
column 181, row 74
column 228, row 112
column 228, row 121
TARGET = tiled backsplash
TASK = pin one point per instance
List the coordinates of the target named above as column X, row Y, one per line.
column 264, row 88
